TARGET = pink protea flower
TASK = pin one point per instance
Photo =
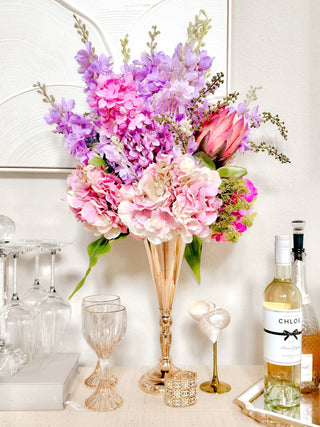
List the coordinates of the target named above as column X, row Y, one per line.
column 174, row 195
column 93, row 197
column 221, row 134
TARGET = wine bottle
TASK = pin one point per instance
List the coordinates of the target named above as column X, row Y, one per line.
column 282, row 317
column 310, row 358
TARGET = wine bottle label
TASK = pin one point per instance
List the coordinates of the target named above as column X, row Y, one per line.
column 306, row 367
column 282, row 336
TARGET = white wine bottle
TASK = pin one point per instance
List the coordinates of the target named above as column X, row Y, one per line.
column 310, row 358
column 282, row 318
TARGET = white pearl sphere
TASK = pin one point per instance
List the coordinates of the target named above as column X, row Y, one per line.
column 200, row 307
column 219, row 318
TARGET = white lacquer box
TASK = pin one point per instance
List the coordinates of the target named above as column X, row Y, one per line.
column 42, row 385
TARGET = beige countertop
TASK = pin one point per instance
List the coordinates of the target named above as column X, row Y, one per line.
column 140, row 409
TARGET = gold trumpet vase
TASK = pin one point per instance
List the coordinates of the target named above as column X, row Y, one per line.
column 165, row 262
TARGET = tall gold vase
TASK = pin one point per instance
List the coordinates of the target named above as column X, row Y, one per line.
column 165, row 263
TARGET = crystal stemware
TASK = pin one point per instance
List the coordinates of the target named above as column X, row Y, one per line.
column 11, row 359
column 17, row 319
column 54, row 314
column 7, row 229
column 36, row 293
column 93, row 379
column 104, row 325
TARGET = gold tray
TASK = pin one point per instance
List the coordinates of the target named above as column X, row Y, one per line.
column 306, row 414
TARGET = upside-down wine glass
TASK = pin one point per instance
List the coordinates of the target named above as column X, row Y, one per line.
column 104, row 325
column 93, row 379
column 17, row 319
column 34, row 295
column 54, row 313
column 11, row 359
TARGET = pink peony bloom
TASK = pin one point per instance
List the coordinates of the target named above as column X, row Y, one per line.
column 93, row 197
column 173, row 196
column 221, row 134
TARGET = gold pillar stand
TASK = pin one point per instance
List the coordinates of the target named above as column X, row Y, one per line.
column 165, row 263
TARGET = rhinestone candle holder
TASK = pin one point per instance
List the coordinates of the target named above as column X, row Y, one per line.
column 180, row 388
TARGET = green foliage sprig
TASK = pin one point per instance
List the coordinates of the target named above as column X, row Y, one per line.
column 81, row 29
column 197, row 30
column 175, row 129
column 125, row 50
column 42, row 89
column 230, row 188
column 216, row 81
column 153, row 34
column 215, row 108
column 276, row 121
column 271, row 150
column 251, row 95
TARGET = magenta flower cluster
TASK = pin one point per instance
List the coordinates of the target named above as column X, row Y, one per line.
column 238, row 224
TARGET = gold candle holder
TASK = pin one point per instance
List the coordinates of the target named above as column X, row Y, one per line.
column 180, row 388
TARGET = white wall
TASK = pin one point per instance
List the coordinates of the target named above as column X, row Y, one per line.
column 275, row 44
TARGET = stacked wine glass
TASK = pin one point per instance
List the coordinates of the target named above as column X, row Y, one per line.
column 37, row 322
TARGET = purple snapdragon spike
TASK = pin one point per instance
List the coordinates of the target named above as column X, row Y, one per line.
column 76, row 129
column 170, row 83
column 91, row 67
column 256, row 119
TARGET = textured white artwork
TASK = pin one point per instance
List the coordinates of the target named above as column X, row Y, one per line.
column 38, row 42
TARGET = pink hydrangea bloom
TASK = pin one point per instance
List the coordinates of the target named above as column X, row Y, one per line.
column 173, row 196
column 93, row 197
column 118, row 104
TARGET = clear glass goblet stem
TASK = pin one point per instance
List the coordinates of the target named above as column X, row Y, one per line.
column 103, row 327
column 94, row 377
column 108, row 398
column 14, row 279
column 37, row 268
column 54, row 315
column 3, row 292
column 3, row 279
column 52, row 273
column 19, row 319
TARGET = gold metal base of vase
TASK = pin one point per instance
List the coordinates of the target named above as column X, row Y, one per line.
column 153, row 380
column 210, row 387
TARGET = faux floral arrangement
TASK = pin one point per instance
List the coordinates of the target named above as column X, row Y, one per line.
column 156, row 150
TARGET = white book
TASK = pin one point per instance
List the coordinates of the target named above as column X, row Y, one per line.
column 42, row 385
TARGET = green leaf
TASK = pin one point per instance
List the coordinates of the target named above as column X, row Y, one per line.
column 95, row 250
column 192, row 255
column 97, row 161
column 204, row 160
column 232, row 171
